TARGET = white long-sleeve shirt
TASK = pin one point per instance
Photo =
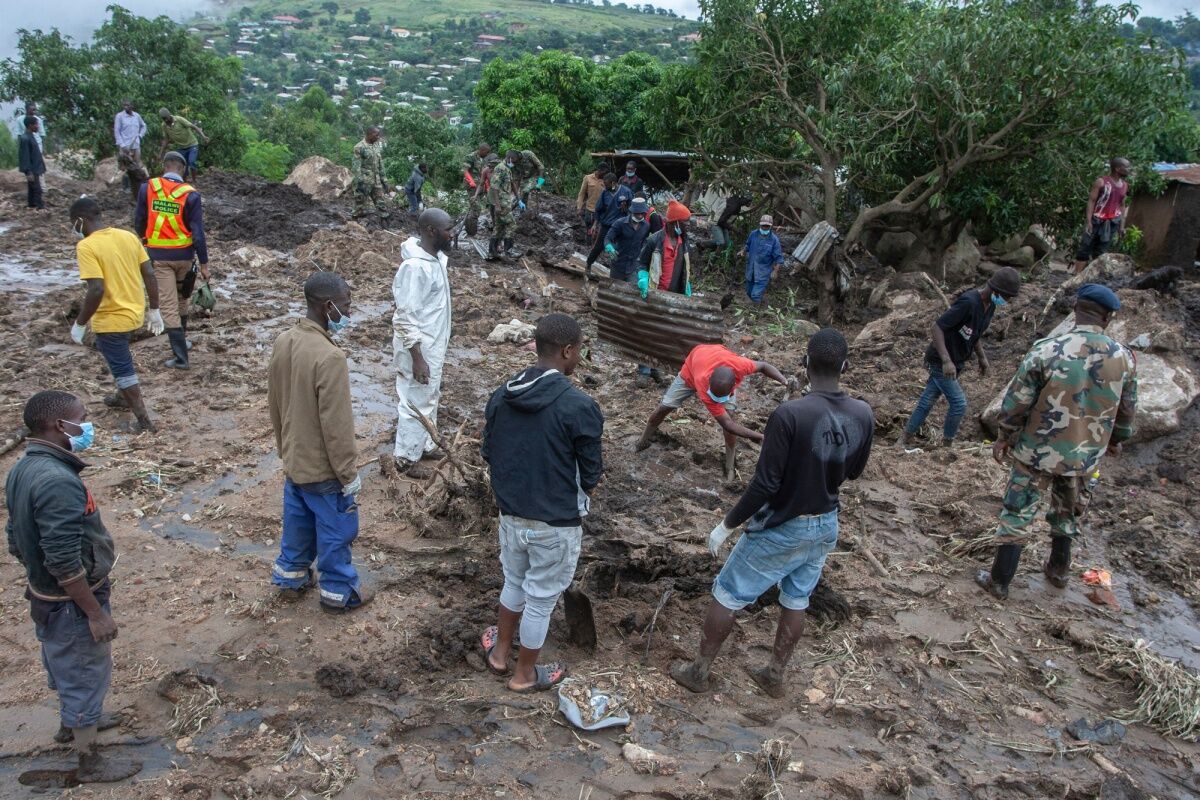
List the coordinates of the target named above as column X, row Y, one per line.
column 128, row 129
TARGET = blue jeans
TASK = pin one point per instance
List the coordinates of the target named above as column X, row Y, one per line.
column 190, row 154
column 115, row 349
column 318, row 527
column 77, row 666
column 414, row 201
column 791, row 555
column 935, row 387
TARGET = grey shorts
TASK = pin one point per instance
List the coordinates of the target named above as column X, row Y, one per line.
column 679, row 391
column 77, row 666
column 538, row 559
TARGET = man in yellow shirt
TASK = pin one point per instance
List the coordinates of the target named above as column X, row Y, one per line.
column 119, row 275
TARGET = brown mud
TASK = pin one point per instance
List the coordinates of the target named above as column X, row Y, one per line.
column 909, row 684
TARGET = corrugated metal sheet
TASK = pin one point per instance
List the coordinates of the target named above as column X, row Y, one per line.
column 814, row 241
column 666, row 155
column 1188, row 173
column 661, row 329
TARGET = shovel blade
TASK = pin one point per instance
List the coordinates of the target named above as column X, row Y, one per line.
column 581, row 623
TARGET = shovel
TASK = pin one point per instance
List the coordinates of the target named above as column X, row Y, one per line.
column 581, row 622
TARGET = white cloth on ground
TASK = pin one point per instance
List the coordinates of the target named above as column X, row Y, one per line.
column 421, row 290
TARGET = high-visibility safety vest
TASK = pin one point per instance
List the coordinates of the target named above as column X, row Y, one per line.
column 165, row 227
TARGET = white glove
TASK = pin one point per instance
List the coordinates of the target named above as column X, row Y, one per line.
column 717, row 537
column 78, row 332
column 351, row 488
column 154, row 322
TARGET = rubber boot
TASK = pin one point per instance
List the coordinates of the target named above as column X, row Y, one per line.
column 1004, row 567
column 511, row 251
column 1058, row 566
column 179, row 347
column 493, row 249
column 183, row 324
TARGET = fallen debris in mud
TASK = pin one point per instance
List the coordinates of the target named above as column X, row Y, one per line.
column 195, row 698
column 649, row 762
column 1168, row 695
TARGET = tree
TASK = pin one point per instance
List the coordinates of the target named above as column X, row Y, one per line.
column 362, row 16
column 271, row 161
column 310, row 126
column 626, row 89
column 413, row 137
column 330, row 8
column 152, row 62
column 922, row 116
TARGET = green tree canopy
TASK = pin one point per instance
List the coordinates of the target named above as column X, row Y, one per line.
column 413, row 137
column 311, row 126
column 153, row 62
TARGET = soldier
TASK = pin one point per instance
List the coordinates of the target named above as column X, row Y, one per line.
column 1073, row 398
column 369, row 183
column 527, row 172
column 473, row 167
column 502, row 196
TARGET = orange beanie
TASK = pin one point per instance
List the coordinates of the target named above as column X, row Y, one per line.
column 678, row 212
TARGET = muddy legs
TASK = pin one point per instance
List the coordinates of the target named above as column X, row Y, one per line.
column 652, row 424
column 132, row 395
column 693, row 675
column 770, row 677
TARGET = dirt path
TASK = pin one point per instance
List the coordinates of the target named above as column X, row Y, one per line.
column 927, row 690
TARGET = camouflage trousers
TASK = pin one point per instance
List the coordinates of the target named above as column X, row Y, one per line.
column 503, row 223
column 1069, row 497
column 363, row 201
column 527, row 186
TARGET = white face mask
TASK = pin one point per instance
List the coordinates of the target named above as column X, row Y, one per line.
column 77, row 229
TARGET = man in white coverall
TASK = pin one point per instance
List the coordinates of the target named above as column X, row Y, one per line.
column 420, row 333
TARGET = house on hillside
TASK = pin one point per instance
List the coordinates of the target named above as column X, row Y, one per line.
column 1170, row 223
column 690, row 37
column 396, row 63
column 285, row 19
column 469, row 60
column 489, row 40
column 401, row 33
column 289, row 56
column 358, row 38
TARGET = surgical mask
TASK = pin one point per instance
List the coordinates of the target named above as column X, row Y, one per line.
column 630, row 172
column 998, row 300
column 764, row 231
column 721, row 400
column 678, row 231
column 638, row 219
column 77, row 228
column 87, row 435
column 341, row 323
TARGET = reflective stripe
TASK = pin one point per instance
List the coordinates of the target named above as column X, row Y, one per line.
column 165, row 227
column 290, row 574
column 328, row 595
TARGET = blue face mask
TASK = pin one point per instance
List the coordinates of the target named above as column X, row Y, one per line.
column 678, row 231
column 721, row 400
column 341, row 323
column 999, row 301
column 87, row 435
column 764, row 231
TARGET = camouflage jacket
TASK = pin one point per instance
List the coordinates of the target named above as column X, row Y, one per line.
column 500, row 191
column 475, row 163
column 528, row 166
column 368, row 162
column 1072, row 394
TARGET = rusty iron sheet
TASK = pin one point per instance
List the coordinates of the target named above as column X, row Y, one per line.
column 659, row 330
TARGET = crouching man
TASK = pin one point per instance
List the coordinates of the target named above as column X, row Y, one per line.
column 542, row 441
column 810, row 447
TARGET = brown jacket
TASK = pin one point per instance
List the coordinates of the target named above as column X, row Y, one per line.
column 589, row 192
column 308, row 391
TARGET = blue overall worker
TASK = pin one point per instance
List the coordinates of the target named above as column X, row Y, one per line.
column 764, row 258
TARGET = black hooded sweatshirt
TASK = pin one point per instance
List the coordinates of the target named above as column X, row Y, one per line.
column 542, row 441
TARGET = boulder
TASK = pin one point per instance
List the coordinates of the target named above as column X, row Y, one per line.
column 1111, row 269
column 513, row 331
column 107, row 172
column 905, row 322
column 320, row 178
column 253, row 258
column 903, row 289
column 1006, row 244
column 1022, row 257
column 1041, row 242
column 804, row 328
column 891, row 248
column 1167, row 384
column 961, row 259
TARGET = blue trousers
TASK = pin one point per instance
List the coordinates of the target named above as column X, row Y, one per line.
column 935, row 387
column 414, row 201
column 318, row 527
column 77, row 666
column 757, row 279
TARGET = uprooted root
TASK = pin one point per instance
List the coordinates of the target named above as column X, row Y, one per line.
column 770, row 763
column 1168, row 694
column 195, row 698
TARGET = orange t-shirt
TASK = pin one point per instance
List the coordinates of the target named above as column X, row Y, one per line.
column 700, row 364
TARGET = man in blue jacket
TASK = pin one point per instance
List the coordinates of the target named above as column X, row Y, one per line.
column 31, row 163
column 624, row 242
column 612, row 205
column 54, row 530
column 764, row 258
column 542, row 441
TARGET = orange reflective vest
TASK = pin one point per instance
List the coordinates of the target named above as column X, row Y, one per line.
column 165, row 227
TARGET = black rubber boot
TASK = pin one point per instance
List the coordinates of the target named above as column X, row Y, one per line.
column 183, row 324
column 1004, row 567
column 493, row 249
column 179, row 348
column 1058, row 567
column 511, row 251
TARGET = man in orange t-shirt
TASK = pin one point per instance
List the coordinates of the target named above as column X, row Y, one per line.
column 712, row 372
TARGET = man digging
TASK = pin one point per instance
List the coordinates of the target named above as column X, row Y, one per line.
column 811, row 446
column 712, row 372
column 542, row 442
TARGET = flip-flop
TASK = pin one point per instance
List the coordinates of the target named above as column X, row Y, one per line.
column 548, row 676
column 488, row 643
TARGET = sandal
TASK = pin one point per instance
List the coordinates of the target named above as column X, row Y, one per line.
column 488, row 642
column 548, row 676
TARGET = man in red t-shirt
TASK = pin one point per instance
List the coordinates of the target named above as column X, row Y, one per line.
column 712, row 372
column 1106, row 213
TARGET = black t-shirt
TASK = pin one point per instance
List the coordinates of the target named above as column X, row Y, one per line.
column 810, row 446
column 963, row 323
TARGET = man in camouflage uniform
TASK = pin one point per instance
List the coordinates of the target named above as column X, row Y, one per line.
column 527, row 172
column 369, row 184
column 502, row 196
column 1073, row 398
column 473, row 174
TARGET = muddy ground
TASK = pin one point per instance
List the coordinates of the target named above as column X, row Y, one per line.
column 921, row 688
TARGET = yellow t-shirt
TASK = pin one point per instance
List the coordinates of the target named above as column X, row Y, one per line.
column 115, row 256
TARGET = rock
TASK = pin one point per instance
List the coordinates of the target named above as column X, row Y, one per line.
column 1108, row 731
column 921, row 775
column 891, row 248
column 648, row 762
column 1006, row 244
column 814, row 696
column 513, row 331
column 987, row 268
column 320, row 178
column 107, row 172
column 1060, row 266
column 1021, row 258
column 1110, row 268
column 1167, row 383
column 961, row 259
column 1039, row 240
column 805, row 328
column 910, row 321
column 254, row 258
column 886, row 292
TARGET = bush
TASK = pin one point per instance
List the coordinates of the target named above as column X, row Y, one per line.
column 271, row 161
column 8, row 150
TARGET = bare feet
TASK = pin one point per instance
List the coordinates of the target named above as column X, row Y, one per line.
column 769, row 680
column 689, row 675
column 642, row 444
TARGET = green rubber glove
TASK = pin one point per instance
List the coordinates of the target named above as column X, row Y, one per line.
column 644, row 283
column 687, row 290
column 541, row 182
column 608, row 248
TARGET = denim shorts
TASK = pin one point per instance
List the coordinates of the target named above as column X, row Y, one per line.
column 538, row 559
column 791, row 555
column 679, row 391
column 77, row 666
column 115, row 349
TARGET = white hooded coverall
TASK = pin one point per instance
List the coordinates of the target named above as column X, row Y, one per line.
column 421, row 290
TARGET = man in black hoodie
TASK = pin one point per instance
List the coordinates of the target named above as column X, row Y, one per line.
column 542, row 441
